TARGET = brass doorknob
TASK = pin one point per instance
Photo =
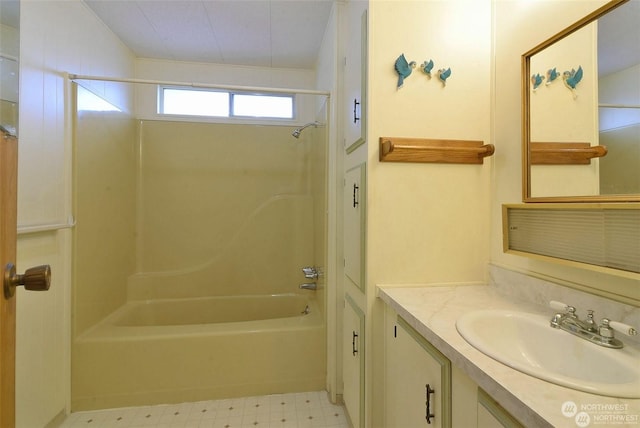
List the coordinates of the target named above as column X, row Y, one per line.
column 35, row 279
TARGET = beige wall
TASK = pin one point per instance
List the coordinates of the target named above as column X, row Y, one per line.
column 427, row 223
column 519, row 26
column 55, row 37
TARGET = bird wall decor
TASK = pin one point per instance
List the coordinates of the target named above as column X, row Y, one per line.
column 552, row 74
column 427, row 66
column 443, row 75
column 572, row 78
column 536, row 80
column 404, row 69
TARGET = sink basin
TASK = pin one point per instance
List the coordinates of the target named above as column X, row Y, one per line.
column 527, row 343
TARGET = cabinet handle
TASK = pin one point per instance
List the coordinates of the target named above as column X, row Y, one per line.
column 429, row 415
column 355, row 110
column 353, row 344
column 355, row 195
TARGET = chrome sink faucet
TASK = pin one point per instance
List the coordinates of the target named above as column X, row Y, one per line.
column 587, row 329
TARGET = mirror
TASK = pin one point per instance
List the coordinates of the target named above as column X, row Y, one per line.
column 9, row 65
column 581, row 110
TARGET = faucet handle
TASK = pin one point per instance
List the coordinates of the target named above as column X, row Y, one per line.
column 310, row 272
column 571, row 311
column 623, row 328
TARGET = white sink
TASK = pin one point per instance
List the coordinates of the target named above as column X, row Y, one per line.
column 527, row 343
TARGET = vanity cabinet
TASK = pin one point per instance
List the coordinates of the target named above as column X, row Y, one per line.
column 353, row 348
column 419, row 381
column 417, row 378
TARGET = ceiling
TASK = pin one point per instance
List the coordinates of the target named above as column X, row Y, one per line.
column 265, row 33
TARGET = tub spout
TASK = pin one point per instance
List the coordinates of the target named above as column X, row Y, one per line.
column 309, row 286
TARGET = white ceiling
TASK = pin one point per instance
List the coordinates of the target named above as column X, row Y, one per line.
column 266, row 33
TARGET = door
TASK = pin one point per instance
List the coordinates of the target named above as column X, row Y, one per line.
column 8, row 232
column 37, row 278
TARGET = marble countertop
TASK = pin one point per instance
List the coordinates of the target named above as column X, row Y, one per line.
column 433, row 311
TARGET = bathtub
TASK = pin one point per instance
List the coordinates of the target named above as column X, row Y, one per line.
column 202, row 348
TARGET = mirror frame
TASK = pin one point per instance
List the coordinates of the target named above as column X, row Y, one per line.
column 526, row 123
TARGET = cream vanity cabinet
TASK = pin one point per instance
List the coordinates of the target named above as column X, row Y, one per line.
column 423, row 389
column 353, row 361
column 417, row 378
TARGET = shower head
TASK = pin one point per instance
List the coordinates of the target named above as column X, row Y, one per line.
column 296, row 132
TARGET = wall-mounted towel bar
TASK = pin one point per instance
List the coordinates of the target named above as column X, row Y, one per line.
column 565, row 153
column 396, row 149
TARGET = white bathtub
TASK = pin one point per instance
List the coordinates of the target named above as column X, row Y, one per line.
column 176, row 350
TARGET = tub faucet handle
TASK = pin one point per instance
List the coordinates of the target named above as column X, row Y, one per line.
column 310, row 272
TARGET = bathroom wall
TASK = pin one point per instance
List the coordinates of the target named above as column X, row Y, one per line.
column 426, row 222
column 105, row 166
column 55, row 37
column 518, row 27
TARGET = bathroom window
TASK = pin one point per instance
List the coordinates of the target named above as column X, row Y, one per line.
column 215, row 103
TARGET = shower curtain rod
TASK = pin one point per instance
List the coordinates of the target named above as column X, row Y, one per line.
column 201, row 85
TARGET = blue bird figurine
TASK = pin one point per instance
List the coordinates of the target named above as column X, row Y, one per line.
column 536, row 80
column 552, row 75
column 404, row 69
column 572, row 78
column 427, row 66
column 443, row 75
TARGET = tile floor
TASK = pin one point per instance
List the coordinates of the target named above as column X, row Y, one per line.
column 299, row 410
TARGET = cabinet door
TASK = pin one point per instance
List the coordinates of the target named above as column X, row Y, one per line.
column 353, row 362
column 354, row 225
column 355, row 74
column 414, row 368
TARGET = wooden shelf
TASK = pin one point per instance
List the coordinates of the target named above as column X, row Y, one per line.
column 396, row 149
column 565, row 153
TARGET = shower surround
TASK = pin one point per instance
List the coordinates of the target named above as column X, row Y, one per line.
column 188, row 212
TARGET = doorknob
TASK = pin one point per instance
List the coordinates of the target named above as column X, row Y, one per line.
column 35, row 279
